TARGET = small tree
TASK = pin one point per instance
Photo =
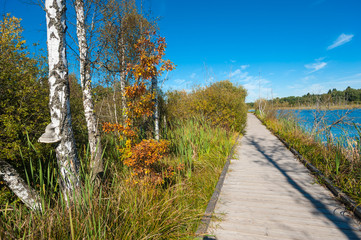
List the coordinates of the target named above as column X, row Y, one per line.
column 141, row 155
column 123, row 25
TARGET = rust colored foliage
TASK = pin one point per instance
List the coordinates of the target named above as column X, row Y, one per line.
column 145, row 161
column 151, row 62
column 139, row 100
column 125, row 130
column 143, row 156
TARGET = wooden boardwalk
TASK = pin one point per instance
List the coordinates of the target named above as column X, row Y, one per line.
column 268, row 194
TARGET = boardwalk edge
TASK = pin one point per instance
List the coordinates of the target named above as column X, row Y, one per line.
column 351, row 204
column 206, row 219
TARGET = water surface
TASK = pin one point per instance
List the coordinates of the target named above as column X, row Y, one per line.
column 317, row 120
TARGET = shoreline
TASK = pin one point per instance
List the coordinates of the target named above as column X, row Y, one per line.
column 336, row 107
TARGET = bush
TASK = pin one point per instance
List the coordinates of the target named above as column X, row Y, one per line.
column 23, row 95
column 222, row 104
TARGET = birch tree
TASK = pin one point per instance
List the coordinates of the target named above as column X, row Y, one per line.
column 156, row 107
column 60, row 130
column 21, row 189
column 96, row 163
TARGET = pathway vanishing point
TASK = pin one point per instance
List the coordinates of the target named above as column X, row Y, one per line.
column 269, row 194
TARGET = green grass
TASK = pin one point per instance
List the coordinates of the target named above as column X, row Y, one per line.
column 119, row 209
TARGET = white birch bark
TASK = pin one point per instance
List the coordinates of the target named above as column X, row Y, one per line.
column 21, row 189
column 156, row 110
column 115, row 102
column 122, row 83
column 59, row 98
column 96, row 164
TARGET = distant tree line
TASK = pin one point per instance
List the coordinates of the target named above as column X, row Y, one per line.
column 332, row 97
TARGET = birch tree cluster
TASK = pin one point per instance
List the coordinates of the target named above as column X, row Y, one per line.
column 90, row 146
column 100, row 36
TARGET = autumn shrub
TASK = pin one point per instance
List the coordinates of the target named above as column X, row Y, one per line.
column 146, row 163
column 221, row 103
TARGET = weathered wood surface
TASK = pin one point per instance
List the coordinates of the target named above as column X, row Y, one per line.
column 268, row 194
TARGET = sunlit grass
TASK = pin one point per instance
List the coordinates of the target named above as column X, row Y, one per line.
column 118, row 209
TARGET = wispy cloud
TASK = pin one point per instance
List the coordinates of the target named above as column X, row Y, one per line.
column 315, row 66
column 179, row 81
column 320, row 59
column 243, row 67
column 308, row 79
column 313, row 84
column 341, row 40
column 235, row 73
column 193, row 75
column 354, row 80
column 239, row 73
column 315, row 88
column 254, row 85
column 178, row 84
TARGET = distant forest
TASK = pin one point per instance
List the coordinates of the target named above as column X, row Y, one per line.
column 332, row 97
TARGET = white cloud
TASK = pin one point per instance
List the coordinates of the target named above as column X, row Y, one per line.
column 341, row 40
column 178, row 84
column 239, row 73
column 252, row 83
column 235, row 73
column 320, row 59
column 308, row 78
column 243, row 67
column 179, row 81
column 342, row 82
column 193, row 75
column 295, row 86
column 210, row 80
column 315, row 89
column 256, row 87
column 315, row 66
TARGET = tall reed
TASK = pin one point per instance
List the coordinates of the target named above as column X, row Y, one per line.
column 118, row 209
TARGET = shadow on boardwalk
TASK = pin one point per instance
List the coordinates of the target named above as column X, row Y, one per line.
column 342, row 225
column 268, row 194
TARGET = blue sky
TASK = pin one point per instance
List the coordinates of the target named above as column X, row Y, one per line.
column 297, row 46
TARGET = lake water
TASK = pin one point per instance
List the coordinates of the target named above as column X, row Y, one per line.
column 346, row 128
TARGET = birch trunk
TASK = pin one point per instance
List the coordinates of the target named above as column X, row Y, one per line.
column 115, row 102
column 122, row 84
column 60, row 129
column 156, row 112
column 13, row 180
column 96, row 163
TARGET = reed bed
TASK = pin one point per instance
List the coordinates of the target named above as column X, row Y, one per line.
column 118, row 209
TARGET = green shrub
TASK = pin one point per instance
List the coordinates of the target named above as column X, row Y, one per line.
column 222, row 104
column 23, row 95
